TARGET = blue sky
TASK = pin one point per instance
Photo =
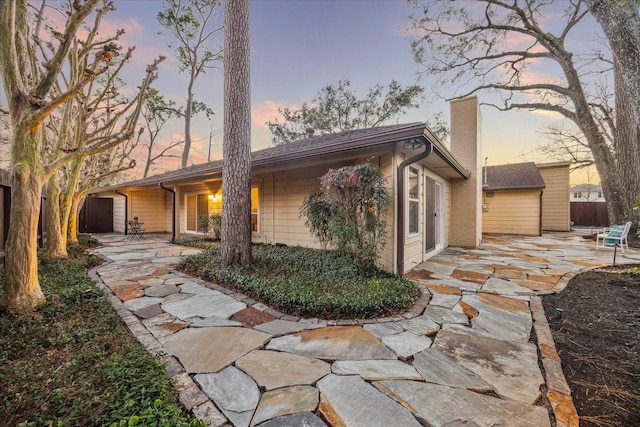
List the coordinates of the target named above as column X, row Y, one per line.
column 298, row 47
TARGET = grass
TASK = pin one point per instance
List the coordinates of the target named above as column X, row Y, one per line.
column 306, row 282
column 73, row 362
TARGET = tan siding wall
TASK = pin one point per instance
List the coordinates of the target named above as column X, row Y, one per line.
column 513, row 212
column 556, row 213
column 150, row 207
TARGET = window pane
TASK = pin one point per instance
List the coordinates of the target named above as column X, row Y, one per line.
column 254, row 209
column 191, row 213
column 413, row 183
column 413, row 217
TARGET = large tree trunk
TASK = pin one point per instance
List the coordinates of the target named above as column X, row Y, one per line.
column 21, row 286
column 621, row 24
column 236, row 171
column 56, row 247
column 72, row 231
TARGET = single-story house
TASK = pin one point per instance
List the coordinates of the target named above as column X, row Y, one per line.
column 525, row 198
column 435, row 189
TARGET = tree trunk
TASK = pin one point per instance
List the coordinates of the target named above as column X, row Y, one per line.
column 187, row 123
column 621, row 24
column 236, row 171
column 72, row 230
column 21, row 286
column 56, row 247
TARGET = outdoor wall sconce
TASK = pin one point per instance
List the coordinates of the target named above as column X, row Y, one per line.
column 212, row 197
column 412, row 144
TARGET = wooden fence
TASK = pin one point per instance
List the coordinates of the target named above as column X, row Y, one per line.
column 590, row 214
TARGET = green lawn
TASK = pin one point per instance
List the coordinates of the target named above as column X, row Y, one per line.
column 307, row 282
column 73, row 362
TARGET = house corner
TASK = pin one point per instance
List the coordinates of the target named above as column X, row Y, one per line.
column 466, row 194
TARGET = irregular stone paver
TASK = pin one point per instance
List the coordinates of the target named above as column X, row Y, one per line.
column 152, row 282
column 127, row 291
column 504, row 287
column 350, row 401
column 444, row 300
column 510, row 367
column 502, row 317
column 214, row 321
column 442, row 315
column 285, row 401
column 208, row 413
column 161, row 290
column 437, row 368
column 142, row 302
column 274, row 369
column 434, row 267
column 234, row 392
column 406, row 344
column 420, row 325
column 204, row 306
column 280, row 327
column 149, row 311
column 250, row 317
column 164, row 325
column 211, row 349
column 333, row 343
column 301, row 419
column 196, row 289
column 380, row 330
column 372, row 370
column 447, row 406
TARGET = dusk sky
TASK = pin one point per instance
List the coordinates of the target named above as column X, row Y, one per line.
column 298, row 47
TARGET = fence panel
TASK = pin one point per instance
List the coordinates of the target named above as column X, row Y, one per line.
column 590, row 214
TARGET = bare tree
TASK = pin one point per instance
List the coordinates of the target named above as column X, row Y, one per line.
column 191, row 23
column 157, row 112
column 236, row 169
column 490, row 45
column 29, row 74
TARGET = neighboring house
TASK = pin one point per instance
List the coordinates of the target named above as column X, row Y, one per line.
column 435, row 190
column 526, row 198
column 587, row 193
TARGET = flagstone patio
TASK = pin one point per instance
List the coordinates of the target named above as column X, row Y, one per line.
column 464, row 359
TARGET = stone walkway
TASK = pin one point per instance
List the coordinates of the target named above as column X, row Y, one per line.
column 462, row 356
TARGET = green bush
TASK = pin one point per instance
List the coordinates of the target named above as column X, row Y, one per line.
column 308, row 282
column 349, row 212
column 73, row 362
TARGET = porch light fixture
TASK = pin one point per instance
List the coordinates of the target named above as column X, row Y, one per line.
column 212, row 197
column 412, row 144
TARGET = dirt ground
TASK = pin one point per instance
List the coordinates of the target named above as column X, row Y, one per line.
column 598, row 339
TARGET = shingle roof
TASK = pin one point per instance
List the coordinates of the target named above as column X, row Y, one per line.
column 517, row 176
column 300, row 149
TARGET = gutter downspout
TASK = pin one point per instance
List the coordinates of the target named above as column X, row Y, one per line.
column 401, row 231
column 126, row 211
column 173, row 210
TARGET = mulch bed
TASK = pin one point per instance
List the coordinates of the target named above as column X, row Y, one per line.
column 598, row 340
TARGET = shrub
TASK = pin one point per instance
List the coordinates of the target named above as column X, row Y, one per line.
column 350, row 212
column 308, row 282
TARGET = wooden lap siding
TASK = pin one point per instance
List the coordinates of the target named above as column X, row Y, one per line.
column 556, row 214
column 512, row 212
column 151, row 208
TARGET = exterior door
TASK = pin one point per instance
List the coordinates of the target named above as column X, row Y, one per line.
column 433, row 215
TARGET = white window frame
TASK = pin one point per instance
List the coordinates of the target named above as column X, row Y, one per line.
column 258, row 228
column 412, row 233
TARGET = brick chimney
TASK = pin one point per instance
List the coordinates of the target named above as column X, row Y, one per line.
column 466, row 194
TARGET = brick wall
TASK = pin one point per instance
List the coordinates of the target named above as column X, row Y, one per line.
column 466, row 146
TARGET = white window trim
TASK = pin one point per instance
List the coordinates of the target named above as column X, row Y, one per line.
column 413, row 234
column 259, row 230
